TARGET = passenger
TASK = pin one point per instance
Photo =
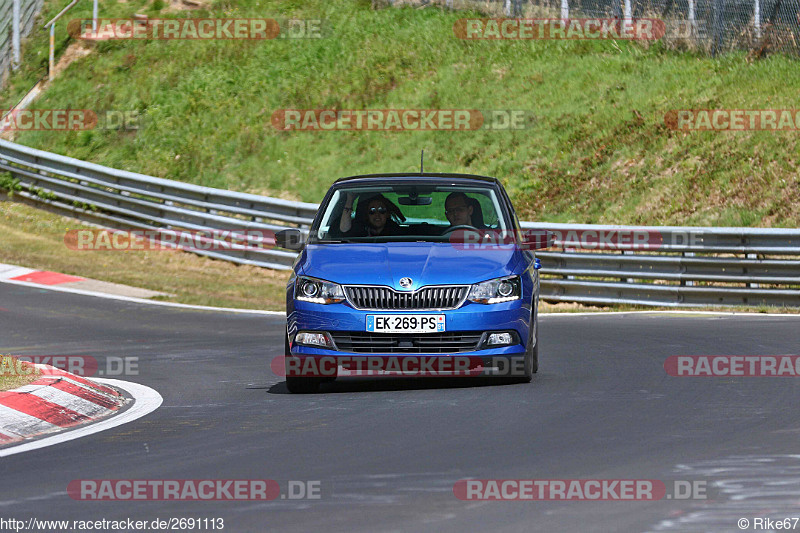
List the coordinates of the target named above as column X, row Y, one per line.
column 375, row 216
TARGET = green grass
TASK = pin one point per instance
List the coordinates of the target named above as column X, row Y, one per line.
column 588, row 157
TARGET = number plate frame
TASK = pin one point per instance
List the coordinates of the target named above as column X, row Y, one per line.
column 405, row 323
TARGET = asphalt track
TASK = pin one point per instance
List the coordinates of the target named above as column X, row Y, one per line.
column 388, row 451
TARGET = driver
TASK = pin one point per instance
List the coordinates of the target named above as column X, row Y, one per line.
column 458, row 210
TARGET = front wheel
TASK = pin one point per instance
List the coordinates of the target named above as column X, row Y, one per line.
column 531, row 363
column 535, row 355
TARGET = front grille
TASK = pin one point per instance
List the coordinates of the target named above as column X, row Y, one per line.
column 385, row 298
column 365, row 342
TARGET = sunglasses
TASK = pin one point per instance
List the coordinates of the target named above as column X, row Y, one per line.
column 381, row 210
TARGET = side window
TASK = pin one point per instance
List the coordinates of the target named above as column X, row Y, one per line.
column 484, row 212
column 514, row 219
column 329, row 226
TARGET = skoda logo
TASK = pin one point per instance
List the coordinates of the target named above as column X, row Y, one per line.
column 406, row 283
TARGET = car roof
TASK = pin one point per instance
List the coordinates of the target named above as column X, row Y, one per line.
column 433, row 177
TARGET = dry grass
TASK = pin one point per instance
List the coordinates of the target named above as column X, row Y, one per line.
column 13, row 374
column 35, row 239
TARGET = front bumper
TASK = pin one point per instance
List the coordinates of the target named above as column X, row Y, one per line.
column 470, row 317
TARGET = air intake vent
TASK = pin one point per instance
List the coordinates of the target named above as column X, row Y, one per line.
column 363, row 342
column 426, row 298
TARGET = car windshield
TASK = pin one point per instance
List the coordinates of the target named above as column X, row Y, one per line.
column 407, row 212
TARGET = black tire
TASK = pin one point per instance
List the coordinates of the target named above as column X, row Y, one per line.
column 535, row 325
column 531, row 364
column 536, row 352
column 300, row 385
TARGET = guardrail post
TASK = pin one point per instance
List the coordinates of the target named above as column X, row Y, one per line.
column 685, row 283
column 752, row 285
column 564, row 251
column 627, row 280
column 52, row 25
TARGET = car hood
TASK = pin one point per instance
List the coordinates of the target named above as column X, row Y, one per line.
column 386, row 263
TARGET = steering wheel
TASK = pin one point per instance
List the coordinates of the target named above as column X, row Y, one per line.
column 461, row 226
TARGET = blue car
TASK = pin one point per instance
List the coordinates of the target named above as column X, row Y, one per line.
column 425, row 274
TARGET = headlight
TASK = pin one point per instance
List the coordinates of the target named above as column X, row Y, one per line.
column 496, row 290
column 317, row 291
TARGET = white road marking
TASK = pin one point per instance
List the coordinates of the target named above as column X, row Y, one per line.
column 737, row 486
column 146, row 400
column 12, row 271
column 280, row 313
column 142, row 300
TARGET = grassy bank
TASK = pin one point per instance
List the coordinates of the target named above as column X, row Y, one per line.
column 597, row 151
column 14, row 374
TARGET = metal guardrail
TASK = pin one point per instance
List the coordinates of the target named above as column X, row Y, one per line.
column 671, row 266
column 595, row 264
column 125, row 200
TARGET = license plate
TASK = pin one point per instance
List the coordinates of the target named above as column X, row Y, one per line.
column 405, row 323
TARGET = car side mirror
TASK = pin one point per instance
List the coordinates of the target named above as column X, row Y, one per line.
column 538, row 239
column 291, row 239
